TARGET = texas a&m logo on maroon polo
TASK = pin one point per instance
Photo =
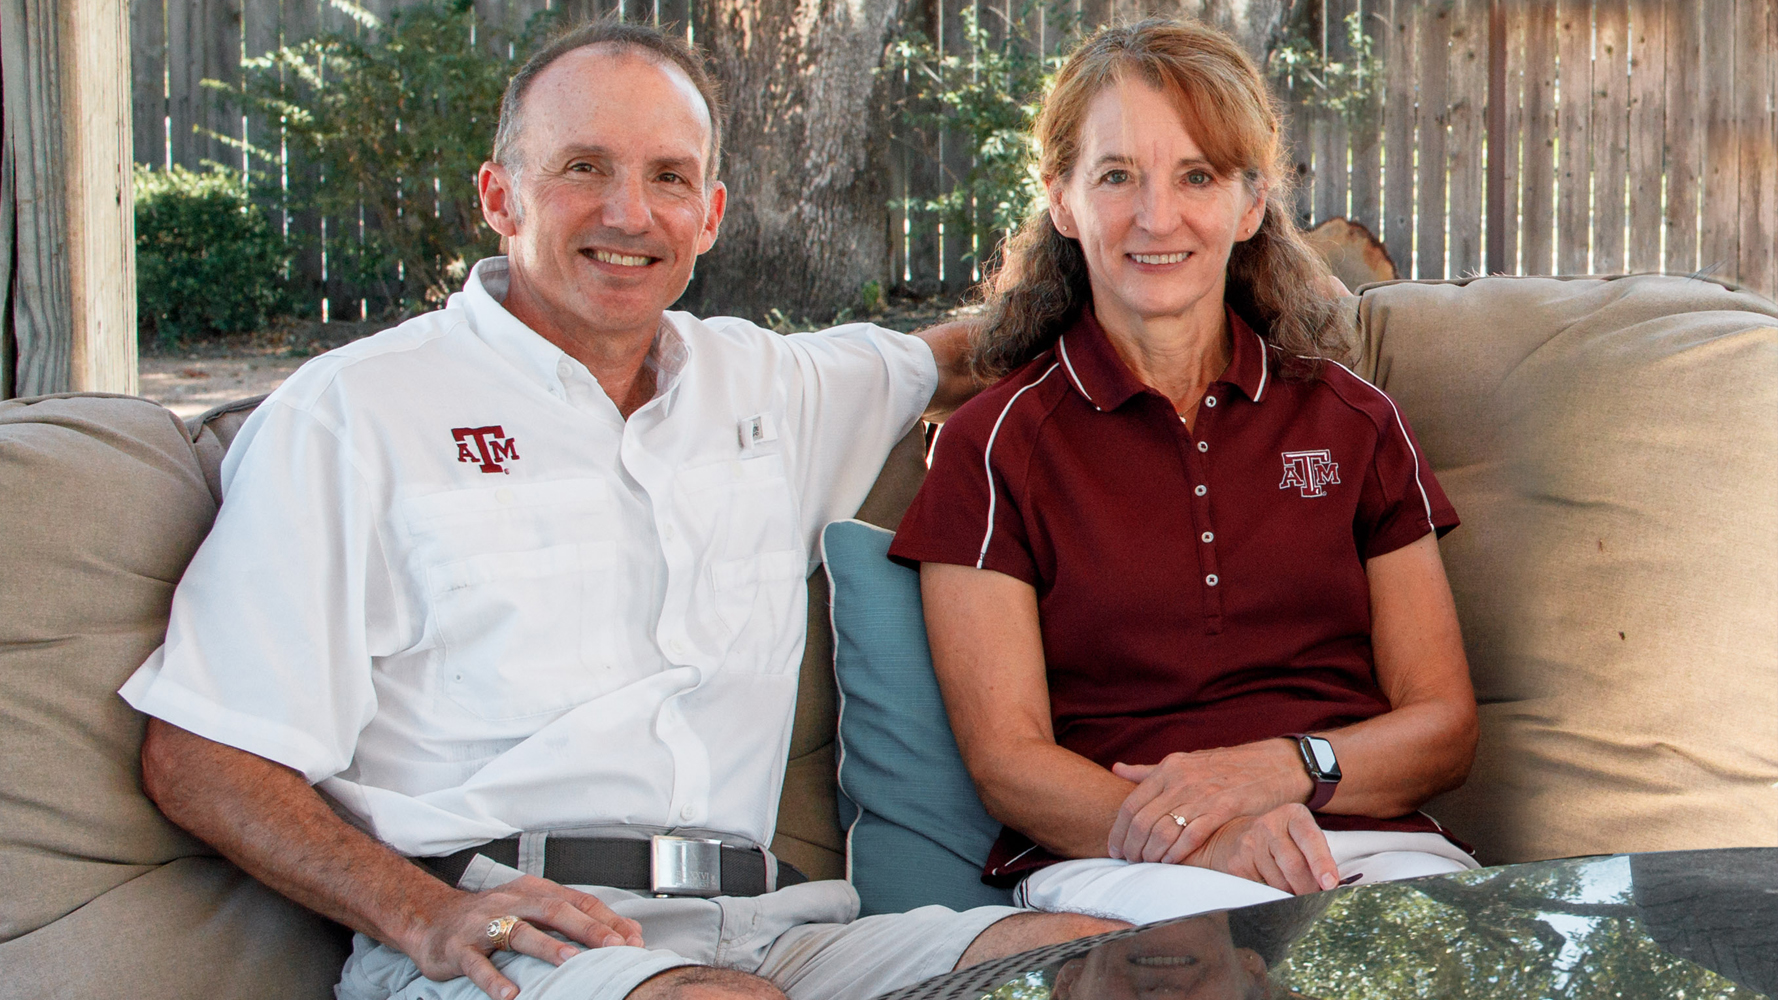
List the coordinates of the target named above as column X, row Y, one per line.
column 486, row 446
column 1311, row 471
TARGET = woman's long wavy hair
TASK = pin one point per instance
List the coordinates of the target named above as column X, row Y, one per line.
column 1276, row 282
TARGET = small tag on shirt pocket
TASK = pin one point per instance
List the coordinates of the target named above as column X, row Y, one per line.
column 757, row 430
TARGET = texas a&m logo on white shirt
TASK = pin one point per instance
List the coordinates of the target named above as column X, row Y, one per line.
column 1310, row 471
column 490, row 447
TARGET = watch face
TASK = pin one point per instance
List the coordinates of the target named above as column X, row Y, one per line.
column 1324, row 756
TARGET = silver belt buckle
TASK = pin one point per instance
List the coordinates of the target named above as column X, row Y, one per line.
column 685, row 866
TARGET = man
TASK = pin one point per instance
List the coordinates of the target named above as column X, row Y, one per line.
column 518, row 584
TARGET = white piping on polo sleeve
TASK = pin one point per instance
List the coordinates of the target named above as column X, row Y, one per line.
column 1405, row 436
column 988, row 460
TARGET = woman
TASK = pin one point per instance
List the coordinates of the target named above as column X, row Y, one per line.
column 1181, row 574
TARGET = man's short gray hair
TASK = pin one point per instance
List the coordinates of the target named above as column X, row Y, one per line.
column 606, row 31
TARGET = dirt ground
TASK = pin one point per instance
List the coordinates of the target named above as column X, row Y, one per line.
column 196, row 376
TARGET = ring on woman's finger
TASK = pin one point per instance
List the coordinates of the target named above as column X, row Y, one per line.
column 1177, row 819
column 500, row 932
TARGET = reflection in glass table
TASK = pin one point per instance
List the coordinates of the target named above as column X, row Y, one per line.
column 1689, row 925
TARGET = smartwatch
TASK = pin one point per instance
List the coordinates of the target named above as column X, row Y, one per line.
column 1323, row 767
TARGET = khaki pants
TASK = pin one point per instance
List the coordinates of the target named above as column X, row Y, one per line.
column 806, row 938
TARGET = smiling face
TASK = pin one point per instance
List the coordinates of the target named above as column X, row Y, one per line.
column 1154, row 219
column 612, row 204
column 1190, row 959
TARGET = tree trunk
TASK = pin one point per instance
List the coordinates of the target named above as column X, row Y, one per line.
column 807, row 222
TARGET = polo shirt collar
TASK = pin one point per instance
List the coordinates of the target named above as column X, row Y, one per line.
column 1098, row 374
column 533, row 355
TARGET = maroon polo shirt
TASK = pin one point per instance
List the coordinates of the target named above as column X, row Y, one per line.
column 1196, row 589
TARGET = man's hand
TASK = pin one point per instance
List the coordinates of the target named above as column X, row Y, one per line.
column 1207, row 789
column 265, row 818
column 452, row 940
column 957, row 384
column 1282, row 848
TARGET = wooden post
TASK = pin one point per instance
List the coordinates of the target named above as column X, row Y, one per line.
column 96, row 126
column 72, row 321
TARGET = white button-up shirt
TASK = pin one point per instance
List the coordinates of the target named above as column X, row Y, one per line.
column 451, row 584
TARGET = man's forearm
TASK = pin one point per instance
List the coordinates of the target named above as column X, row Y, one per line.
column 265, row 818
column 957, row 384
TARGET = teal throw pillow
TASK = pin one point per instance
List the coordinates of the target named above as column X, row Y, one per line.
column 915, row 831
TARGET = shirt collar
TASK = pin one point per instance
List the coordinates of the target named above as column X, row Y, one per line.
column 536, row 357
column 1098, row 374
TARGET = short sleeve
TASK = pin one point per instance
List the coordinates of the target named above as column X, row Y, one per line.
column 970, row 509
column 857, row 390
column 1402, row 500
column 277, row 662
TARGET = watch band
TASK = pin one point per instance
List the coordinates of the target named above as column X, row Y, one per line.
column 1326, row 779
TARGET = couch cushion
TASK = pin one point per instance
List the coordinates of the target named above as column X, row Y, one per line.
column 1612, row 447
column 916, row 832
column 102, row 503
column 213, row 431
column 808, row 833
column 197, row 927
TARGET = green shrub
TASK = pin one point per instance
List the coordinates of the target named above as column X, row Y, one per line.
column 207, row 261
column 387, row 123
column 986, row 96
column 1352, row 88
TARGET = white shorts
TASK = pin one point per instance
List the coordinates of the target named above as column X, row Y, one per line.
column 1143, row 893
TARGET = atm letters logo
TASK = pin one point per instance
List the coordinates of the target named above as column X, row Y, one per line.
column 1310, row 471
column 487, row 447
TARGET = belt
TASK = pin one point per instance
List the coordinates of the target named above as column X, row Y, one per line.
column 663, row 866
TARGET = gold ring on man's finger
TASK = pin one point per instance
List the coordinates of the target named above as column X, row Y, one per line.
column 500, row 932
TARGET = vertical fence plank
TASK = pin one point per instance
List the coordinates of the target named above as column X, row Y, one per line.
column 1093, row 13
column 1398, row 141
column 301, row 21
column 222, row 63
column 1429, row 202
column 1469, row 94
column 1299, row 131
column 896, row 273
column 1759, row 147
column 148, row 83
column 261, row 25
column 672, row 15
column 1647, row 136
column 1332, row 139
column 1719, row 231
column 1685, row 133
column 185, row 65
column 1574, row 143
column 1611, row 124
column 1538, row 170
column 1365, row 180
column 923, row 178
column 1512, row 17
column 955, row 162
column 1770, row 180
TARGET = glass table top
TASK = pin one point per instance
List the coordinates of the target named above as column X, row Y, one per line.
column 1692, row 925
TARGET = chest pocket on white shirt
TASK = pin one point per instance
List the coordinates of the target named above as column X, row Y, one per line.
column 512, row 575
column 756, row 557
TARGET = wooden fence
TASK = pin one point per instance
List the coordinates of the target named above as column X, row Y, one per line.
column 1515, row 136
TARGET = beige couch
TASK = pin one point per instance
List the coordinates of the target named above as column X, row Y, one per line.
column 1612, row 446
